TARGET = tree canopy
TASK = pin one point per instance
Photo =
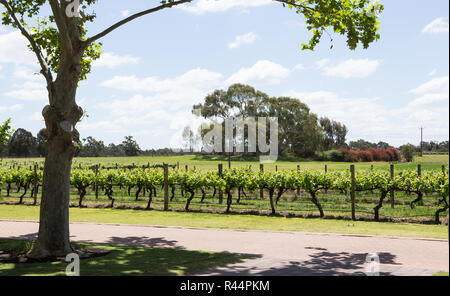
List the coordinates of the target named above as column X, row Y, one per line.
column 5, row 131
column 53, row 37
column 298, row 128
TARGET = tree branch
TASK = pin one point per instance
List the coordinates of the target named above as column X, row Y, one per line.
column 130, row 18
column 292, row 2
column 45, row 70
column 66, row 43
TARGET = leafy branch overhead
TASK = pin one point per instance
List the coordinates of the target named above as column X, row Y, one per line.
column 51, row 36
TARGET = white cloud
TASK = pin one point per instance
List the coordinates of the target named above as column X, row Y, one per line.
column 204, row 6
column 364, row 117
column 370, row 119
column 322, row 63
column 27, row 95
column 37, row 116
column 299, row 67
column 125, row 13
column 359, row 68
column 111, row 60
column 28, row 91
column 167, row 110
column 113, row 126
column 433, row 72
column 248, row 38
column 439, row 25
column 24, row 72
column 193, row 79
column 429, row 109
column 14, row 49
column 262, row 73
column 436, row 85
column 12, row 108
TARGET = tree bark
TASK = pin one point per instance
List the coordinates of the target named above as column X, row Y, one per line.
column 53, row 237
column 229, row 201
column 60, row 116
column 439, row 211
column 272, row 206
column 379, row 205
column 316, row 202
column 418, row 199
column 190, row 198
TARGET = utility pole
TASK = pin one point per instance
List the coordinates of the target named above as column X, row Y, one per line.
column 421, row 142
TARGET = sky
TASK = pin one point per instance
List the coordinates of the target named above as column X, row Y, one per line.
column 156, row 68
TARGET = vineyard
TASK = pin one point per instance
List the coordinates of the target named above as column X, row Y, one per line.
column 409, row 195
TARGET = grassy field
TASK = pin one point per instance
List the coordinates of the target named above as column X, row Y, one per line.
column 232, row 221
column 122, row 260
column 208, row 163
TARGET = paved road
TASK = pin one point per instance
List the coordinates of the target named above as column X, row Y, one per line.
column 277, row 253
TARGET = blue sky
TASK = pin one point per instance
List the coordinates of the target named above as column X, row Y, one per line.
column 154, row 69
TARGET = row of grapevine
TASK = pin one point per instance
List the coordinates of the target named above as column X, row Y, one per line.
column 229, row 181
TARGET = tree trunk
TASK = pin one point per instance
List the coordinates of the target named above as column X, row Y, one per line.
column 272, row 205
column 138, row 191
column 60, row 116
column 279, row 195
column 229, row 201
column 317, row 203
column 418, row 199
column 203, row 195
column 150, row 198
column 82, row 195
column 188, row 201
column 173, row 193
column 439, row 211
column 25, row 188
column 53, row 238
column 379, row 205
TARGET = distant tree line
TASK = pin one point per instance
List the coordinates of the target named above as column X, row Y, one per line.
column 300, row 131
column 22, row 143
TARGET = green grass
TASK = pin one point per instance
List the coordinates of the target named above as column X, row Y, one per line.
column 441, row 273
column 207, row 163
column 232, row 221
column 123, row 260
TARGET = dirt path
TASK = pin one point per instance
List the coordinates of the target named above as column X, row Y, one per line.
column 278, row 253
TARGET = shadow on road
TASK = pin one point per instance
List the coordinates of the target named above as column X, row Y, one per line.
column 322, row 263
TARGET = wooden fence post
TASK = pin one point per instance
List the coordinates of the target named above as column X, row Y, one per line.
column 392, row 190
column 220, row 167
column 352, row 191
column 326, row 171
column 166, row 187
column 35, row 185
column 186, row 167
column 298, row 188
column 96, row 183
column 261, row 190
column 443, row 169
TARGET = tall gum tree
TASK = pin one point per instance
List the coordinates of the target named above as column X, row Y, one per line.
column 64, row 52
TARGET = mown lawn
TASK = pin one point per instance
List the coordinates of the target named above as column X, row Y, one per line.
column 123, row 260
column 208, row 163
column 232, row 221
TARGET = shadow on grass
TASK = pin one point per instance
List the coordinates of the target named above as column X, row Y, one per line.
column 124, row 260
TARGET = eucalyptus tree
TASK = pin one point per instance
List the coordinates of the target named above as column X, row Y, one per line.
column 57, row 34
